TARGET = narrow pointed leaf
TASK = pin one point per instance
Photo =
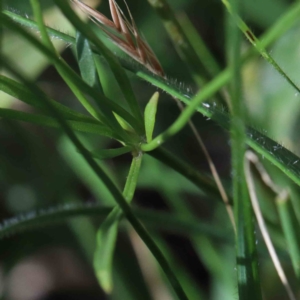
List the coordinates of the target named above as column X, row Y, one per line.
column 86, row 62
column 107, row 233
column 150, row 115
column 109, row 153
column 22, row 93
column 42, row 120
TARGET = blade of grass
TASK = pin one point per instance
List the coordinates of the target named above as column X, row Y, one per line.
column 20, row 92
column 110, row 185
column 107, row 233
column 86, row 62
column 199, row 45
column 116, row 68
column 42, row 120
column 259, row 46
column 168, row 222
column 109, row 153
column 246, row 259
column 181, row 43
column 203, row 182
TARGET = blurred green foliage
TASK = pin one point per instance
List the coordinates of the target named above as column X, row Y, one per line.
column 39, row 168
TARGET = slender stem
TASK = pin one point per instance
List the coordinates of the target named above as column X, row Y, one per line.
column 283, row 196
column 107, row 233
column 247, row 265
column 181, row 43
column 258, row 45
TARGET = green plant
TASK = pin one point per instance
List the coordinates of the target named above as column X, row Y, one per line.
column 219, row 98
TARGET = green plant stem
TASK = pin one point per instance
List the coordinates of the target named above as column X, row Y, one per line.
column 247, row 265
column 258, row 45
column 43, row 120
column 197, row 42
column 174, row 223
column 181, row 43
column 107, row 233
column 203, row 182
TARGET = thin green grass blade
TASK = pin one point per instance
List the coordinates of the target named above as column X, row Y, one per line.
column 42, row 120
column 150, row 116
column 107, row 233
column 118, row 71
column 204, row 182
column 22, row 93
column 168, row 222
column 109, row 153
column 291, row 229
column 259, row 46
column 181, row 43
column 246, row 259
column 199, row 46
column 86, row 62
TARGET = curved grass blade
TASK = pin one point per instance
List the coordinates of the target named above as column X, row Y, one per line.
column 42, row 120
column 258, row 45
column 167, row 222
column 109, row 153
column 199, row 45
column 181, row 43
column 22, row 93
column 107, row 233
column 86, row 62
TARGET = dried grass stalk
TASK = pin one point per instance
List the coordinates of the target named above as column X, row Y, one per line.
column 124, row 34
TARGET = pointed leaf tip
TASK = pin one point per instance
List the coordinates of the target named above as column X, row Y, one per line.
column 150, row 116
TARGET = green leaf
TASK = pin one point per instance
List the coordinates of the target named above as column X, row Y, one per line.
column 107, row 233
column 103, row 257
column 86, row 63
column 109, row 153
column 150, row 114
column 21, row 92
column 42, row 120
